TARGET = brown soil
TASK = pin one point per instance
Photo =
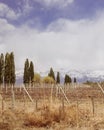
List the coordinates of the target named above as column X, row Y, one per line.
column 51, row 112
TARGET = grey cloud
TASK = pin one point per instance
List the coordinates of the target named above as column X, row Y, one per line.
column 7, row 12
column 75, row 45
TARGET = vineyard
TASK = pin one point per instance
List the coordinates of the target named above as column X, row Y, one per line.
column 52, row 107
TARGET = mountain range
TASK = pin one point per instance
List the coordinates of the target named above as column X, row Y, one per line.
column 81, row 76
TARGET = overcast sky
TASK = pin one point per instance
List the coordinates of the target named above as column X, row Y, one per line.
column 54, row 33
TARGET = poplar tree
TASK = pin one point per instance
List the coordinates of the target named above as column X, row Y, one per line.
column 7, row 69
column 75, row 80
column 67, row 79
column 58, row 78
column 12, row 69
column 26, row 76
column 0, row 72
column 1, row 68
column 51, row 73
column 31, row 71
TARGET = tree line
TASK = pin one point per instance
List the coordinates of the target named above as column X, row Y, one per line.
column 28, row 72
column 7, row 69
column 31, row 77
column 8, row 77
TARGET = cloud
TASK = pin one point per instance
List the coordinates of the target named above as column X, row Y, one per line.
column 58, row 3
column 27, row 7
column 64, row 44
column 7, row 12
column 5, row 29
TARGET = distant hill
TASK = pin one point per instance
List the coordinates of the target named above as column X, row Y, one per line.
column 81, row 76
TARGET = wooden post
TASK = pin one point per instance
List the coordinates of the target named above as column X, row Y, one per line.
column 0, row 88
column 43, row 92
column 2, row 112
column 77, row 113
column 6, row 88
column 64, row 95
column 65, row 88
column 100, row 88
column 56, row 90
column 13, row 97
column 93, row 106
column 24, row 99
column 2, row 105
column 28, row 95
column 51, row 95
column 36, row 104
column 63, row 108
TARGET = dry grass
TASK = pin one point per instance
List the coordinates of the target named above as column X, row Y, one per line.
column 53, row 115
column 99, row 125
column 49, row 116
column 4, row 126
column 7, row 121
column 11, row 119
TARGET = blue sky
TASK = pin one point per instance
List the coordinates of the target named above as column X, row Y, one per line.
column 57, row 33
column 47, row 11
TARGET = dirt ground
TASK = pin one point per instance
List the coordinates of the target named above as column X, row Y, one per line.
column 53, row 113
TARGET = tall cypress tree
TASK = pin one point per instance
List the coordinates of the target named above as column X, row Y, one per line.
column 12, row 69
column 51, row 73
column 1, row 68
column 31, row 71
column 7, row 69
column 58, row 78
column 0, row 72
column 67, row 79
column 26, row 76
column 75, row 80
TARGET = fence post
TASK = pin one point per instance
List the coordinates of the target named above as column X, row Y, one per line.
column 51, row 94
column 28, row 94
column 63, row 107
column 6, row 88
column 24, row 99
column 64, row 95
column 36, row 104
column 77, row 113
column 13, row 97
column 2, row 103
column 93, row 106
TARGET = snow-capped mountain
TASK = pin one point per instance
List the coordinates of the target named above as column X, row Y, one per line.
column 81, row 76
